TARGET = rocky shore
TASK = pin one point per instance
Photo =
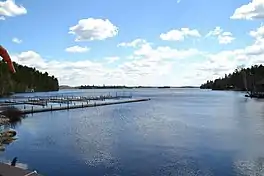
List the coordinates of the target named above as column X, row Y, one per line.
column 8, row 116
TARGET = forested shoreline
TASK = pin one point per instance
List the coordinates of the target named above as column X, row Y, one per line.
column 26, row 79
column 240, row 80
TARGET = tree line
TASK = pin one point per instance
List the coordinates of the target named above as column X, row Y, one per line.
column 102, row 87
column 25, row 79
column 241, row 79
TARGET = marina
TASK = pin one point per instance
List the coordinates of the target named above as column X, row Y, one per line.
column 37, row 104
column 82, row 105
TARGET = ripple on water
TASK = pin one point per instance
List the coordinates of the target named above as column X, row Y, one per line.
column 250, row 167
column 179, row 132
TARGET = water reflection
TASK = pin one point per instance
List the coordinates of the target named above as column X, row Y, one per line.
column 178, row 132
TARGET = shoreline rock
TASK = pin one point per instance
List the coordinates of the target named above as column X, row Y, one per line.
column 4, row 120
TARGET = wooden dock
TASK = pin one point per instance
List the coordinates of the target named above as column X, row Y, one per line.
column 37, row 104
column 83, row 105
column 7, row 170
column 44, row 100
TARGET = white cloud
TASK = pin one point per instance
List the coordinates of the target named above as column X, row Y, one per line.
column 154, row 66
column 258, row 47
column 112, row 59
column 151, row 64
column 180, row 35
column 134, row 43
column 258, row 33
column 225, row 38
column 68, row 72
column 224, row 62
column 77, row 49
column 16, row 40
column 216, row 32
column 222, row 36
column 163, row 52
column 215, row 65
column 10, row 9
column 148, row 64
column 2, row 18
column 93, row 29
column 30, row 58
column 251, row 11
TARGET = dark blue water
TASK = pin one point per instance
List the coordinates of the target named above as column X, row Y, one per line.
column 178, row 132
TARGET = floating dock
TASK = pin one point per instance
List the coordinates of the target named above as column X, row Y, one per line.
column 83, row 105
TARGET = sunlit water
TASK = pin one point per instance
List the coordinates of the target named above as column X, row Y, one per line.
column 178, row 132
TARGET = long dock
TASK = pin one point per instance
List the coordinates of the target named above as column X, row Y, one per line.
column 25, row 102
column 38, row 110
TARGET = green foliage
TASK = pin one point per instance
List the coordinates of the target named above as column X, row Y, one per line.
column 236, row 81
column 25, row 79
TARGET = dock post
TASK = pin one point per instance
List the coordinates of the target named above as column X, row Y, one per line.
column 82, row 105
column 51, row 107
column 24, row 106
column 60, row 104
column 32, row 109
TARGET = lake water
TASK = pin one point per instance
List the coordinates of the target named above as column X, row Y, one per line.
column 178, row 132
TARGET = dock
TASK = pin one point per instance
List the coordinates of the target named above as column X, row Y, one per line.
column 7, row 170
column 83, row 105
column 37, row 104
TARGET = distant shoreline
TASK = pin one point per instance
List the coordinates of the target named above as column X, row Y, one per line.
column 126, row 87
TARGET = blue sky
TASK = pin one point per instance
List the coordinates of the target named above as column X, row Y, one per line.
column 175, row 42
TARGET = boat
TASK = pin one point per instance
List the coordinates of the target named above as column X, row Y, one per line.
column 255, row 95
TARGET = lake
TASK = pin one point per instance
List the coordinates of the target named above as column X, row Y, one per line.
column 178, row 132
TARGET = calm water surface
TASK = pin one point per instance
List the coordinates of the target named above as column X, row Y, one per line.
column 178, row 132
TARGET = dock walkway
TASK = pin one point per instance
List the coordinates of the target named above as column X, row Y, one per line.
column 83, row 105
